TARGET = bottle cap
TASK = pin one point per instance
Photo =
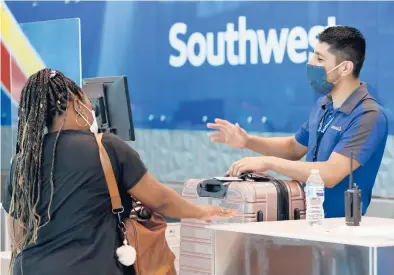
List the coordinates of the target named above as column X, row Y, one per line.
column 315, row 171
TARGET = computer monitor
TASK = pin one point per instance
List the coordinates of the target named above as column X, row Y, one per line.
column 111, row 101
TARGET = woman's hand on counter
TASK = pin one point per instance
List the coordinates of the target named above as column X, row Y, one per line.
column 209, row 213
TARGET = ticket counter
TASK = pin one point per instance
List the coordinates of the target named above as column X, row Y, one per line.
column 293, row 247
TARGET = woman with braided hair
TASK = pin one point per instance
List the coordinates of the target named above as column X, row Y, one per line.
column 60, row 216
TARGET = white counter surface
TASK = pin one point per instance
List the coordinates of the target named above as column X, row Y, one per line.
column 373, row 232
column 5, row 255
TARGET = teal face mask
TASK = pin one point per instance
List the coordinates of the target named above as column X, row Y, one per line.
column 317, row 78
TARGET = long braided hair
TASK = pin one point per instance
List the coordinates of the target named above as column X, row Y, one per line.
column 45, row 96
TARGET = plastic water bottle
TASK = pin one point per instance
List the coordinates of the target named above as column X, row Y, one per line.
column 314, row 193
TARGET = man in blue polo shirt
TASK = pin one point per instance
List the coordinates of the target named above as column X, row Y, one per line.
column 345, row 120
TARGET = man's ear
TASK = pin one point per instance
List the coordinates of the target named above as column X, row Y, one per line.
column 348, row 68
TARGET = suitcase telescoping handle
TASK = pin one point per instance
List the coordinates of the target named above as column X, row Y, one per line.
column 212, row 188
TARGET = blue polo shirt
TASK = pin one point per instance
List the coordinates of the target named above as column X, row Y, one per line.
column 358, row 126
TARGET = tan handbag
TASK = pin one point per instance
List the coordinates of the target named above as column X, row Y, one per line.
column 154, row 257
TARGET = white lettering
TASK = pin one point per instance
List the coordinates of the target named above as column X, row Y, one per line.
column 178, row 44
column 197, row 39
column 312, row 36
column 243, row 45
column 315, row 30
column 247, row 35
column 231, row 36
column 219, row 58
column 272, row 44
column 331, row 21
column 297, row 45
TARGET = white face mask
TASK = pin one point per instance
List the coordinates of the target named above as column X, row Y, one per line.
column 94, row 126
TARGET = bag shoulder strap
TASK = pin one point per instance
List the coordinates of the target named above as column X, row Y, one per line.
column 109, row 177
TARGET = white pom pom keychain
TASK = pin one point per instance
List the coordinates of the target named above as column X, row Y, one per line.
column 126, row 254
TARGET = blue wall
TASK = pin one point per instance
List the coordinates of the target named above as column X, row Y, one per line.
column 58, row 44
column 133, row 39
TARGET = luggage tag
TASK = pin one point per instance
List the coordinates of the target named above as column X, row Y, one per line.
column 226, row 180
column 261, row 177
column 249, row 176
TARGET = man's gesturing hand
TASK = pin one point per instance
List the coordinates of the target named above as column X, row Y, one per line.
column 230, row 134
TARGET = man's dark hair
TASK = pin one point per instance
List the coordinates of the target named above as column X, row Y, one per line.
column 347, row 43
column 45, row 95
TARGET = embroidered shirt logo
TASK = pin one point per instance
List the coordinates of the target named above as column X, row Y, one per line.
column 336, row 128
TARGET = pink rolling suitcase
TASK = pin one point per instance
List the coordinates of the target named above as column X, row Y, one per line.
column 257, row 197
